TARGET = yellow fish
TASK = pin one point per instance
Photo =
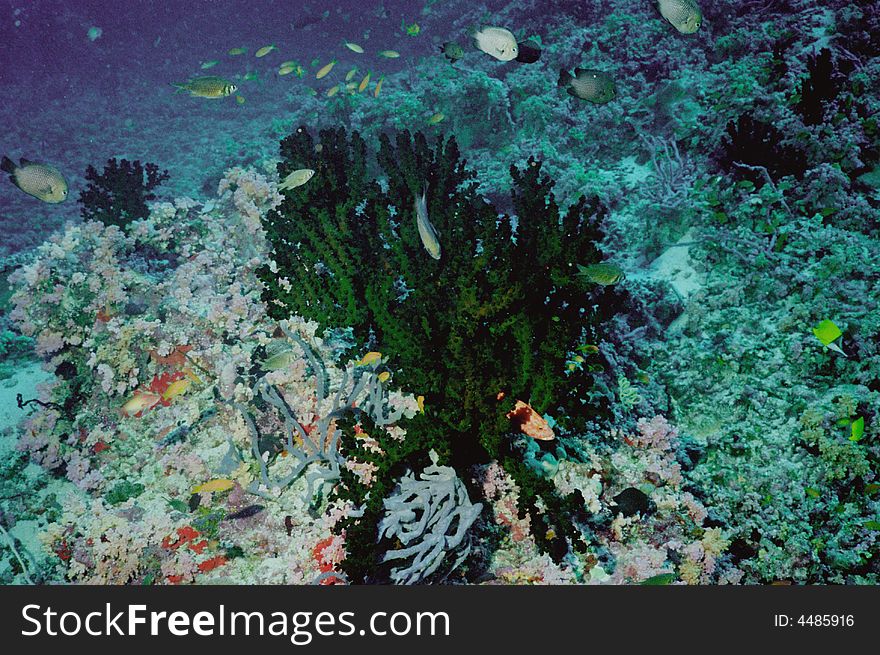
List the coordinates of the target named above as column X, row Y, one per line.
column 176, row 388
column 378, row 87
column 370, row 358
column 237, row 51
column 41, row 181
column 325, row 70
column 354, row 47
column 140, row 402
column 210, row 64
column 604, row 273
column 212, row 486
column 297, row 178
column 280, row 360
column 265, row 50
column 436, row 118
column 364, row 83
column 384, row 376
column 286, row 70
column 207, row 87
column 350, row 74
column 290, row 62
column 389, row 54
column 420, row 402
column 332, row 91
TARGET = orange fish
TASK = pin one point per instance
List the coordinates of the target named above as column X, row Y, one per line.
column 530, row 422
column 140, row 402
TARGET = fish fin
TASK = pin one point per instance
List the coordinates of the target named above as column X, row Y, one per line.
column 564, row 78
column 24, row 162
column 7, row 165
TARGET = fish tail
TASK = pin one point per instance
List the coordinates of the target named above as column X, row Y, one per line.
column 7, row 165
column 178, row 88
column 564, row 78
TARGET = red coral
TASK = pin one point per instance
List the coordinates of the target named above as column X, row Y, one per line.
column 199, row 547
column 211, row 564
column 100, row 447
column 177, row 358
column 63, row 550
column 162, row 381
column 184, row 535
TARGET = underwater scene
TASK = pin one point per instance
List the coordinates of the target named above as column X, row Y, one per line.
column 460, row 292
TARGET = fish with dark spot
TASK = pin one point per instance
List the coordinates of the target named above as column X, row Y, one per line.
column 529, row 51
column 247, row 512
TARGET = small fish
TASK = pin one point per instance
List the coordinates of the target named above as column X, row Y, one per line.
column 240, row 100
column 529, row 51
column 265, row 50
column 221, row 484
column 209, row 64
column 279, row 361
column 296, row 178
column 587, row 84
column 411, row 30
column 325, row 70
column 350, row 74
column 176, row 388
column 351, row 87
column 94, row 33
column 497, row 42
column 354, row 47
column 378, row 88
column 420, row 403
column 290, row 62
column 389, row 54
column 530, row 423
column 683, row 15
column 41, row 181
column 207, row 87
column 436, row 118
column 364, row 83
column 427, row 233
column 604, row 274
column 370, row 358
column 234, row 52
column 332, row 91
column 384, row 376
column 452, row 51
column 247, row 512
column 140, row 402
column 286, row 70
column 250, row 76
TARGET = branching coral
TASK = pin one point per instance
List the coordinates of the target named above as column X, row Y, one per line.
column 430, row 516
column 119, row 195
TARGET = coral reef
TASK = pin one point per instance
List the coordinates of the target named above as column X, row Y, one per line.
column 119, row 195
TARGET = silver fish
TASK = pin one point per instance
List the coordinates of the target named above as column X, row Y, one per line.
column 427, row 233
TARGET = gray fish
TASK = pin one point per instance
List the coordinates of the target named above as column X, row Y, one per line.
column 683, row 15
column 427, row 233
column 587, row 84
column 41, row 181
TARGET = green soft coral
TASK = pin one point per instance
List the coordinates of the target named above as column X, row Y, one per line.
column 489, row 323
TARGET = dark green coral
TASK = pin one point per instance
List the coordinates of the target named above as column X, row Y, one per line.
column 494, row 320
